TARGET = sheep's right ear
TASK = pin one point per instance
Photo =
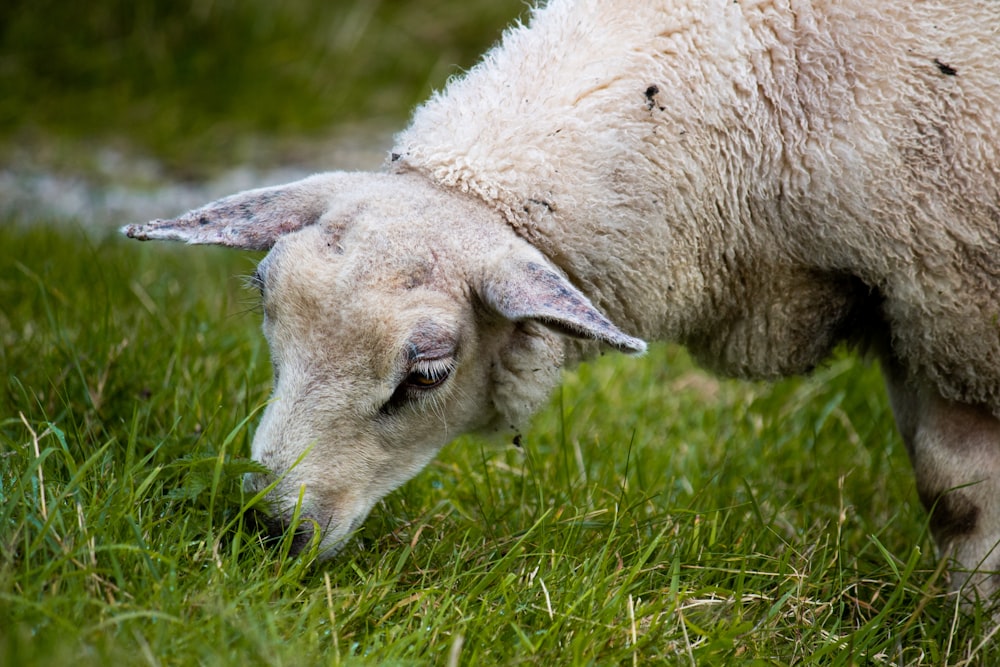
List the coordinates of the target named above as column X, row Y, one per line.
column 529, row 288
column 251, row 220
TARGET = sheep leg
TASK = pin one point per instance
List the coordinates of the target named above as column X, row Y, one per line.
column 955, row 452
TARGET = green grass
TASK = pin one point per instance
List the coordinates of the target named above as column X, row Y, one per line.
column 653, row 515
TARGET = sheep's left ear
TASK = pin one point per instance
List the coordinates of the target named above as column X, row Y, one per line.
column 251, row 220
column 531, row 289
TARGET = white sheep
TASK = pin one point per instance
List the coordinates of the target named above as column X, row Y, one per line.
column 759, row 180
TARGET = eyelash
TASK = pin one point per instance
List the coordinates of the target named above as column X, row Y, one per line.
column 256, row 281
column 428, row 373
column 424, row 376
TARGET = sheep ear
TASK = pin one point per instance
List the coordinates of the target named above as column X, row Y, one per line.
column 251, row 220
column 529, row 290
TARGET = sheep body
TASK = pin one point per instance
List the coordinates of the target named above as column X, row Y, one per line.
column 757, row 180
column 748, row 177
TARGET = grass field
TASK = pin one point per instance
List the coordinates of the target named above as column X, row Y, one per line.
column 653, row 514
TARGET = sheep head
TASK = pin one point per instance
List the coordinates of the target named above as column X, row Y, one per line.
column 399, row 315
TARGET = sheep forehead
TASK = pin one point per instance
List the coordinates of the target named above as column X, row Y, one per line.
column 373, row 244
column 355, row 313
column 358, row 273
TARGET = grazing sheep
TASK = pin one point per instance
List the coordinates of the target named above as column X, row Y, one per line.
column 758, row 179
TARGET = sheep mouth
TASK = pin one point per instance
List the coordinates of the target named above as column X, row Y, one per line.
column 274, row 530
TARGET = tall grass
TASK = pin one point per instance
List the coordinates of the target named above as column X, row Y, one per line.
column 653, row 514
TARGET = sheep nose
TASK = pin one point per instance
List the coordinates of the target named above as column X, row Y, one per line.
column 274, row 530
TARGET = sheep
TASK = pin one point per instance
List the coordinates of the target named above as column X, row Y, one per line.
column 759, row 180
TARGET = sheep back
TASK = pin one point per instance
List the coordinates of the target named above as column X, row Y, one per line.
column 758, row 180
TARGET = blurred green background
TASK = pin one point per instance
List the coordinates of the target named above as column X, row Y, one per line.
column 204, row 84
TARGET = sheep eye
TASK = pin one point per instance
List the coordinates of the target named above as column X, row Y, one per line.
column 424, row 376
column 428, row 373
